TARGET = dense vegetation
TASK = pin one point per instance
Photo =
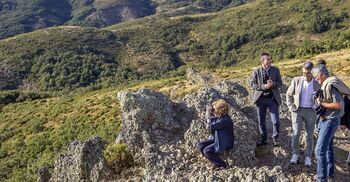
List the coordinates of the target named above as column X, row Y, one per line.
column 72, row 57
column 61, row 58
column 103, row 13
column 241, row 35
column 36, row 125
column 20, row 16
column 64, row 58
column 32, row 133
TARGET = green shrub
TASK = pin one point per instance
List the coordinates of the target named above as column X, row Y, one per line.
column 118, row 156
column 8, row 97
column 11, row 96
column 318, row 19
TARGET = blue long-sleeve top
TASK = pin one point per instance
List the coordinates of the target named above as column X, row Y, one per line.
column 222, row 130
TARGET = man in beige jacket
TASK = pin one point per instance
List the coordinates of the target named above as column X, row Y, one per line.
column 300, row 102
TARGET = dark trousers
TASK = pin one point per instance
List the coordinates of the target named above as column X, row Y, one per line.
column 262, row 105
column 207, row 148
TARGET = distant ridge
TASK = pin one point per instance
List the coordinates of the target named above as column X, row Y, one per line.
column 21, row 16
column 67, row 57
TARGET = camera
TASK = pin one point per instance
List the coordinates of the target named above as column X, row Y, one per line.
column 318, row 94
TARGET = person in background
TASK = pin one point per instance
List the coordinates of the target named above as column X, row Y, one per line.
column 300, row 102
column 321, row 61
column 221, row 127
column 332, row 100
column 266, row 81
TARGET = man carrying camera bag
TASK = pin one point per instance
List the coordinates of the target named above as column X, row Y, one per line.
column 333, row 90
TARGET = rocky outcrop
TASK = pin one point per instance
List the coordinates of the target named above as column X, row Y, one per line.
column 117, row 14
column 244, row 127
column 162, row 134
column 44, row 174
column 82, row 162
column 194, row 76
column 174, row 156
column 151, row 123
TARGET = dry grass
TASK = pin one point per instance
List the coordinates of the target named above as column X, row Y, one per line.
column 338, row 63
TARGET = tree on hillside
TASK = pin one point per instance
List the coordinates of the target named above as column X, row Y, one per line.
column 8, row 78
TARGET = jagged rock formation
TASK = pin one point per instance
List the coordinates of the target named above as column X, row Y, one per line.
column 194, row 77
column 162, row 134
column 150, row 119
column 118, row 13
column 44, row 174
column 82, row 162
column 178, row 158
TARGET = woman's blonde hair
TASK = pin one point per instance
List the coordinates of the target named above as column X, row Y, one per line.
column 220, row 106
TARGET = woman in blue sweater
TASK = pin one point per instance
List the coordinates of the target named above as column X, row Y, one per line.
column 221, row 128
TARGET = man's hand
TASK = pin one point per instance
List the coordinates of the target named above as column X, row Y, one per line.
column 269, row 84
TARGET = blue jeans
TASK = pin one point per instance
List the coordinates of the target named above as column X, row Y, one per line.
column 261, row 106
column 324, row 148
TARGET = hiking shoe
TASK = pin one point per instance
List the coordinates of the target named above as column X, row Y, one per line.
column 294, row 159
column 307, row 161
column 330, row 179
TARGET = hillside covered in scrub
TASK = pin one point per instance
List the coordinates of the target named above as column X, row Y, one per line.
column 20, row 16
column 59, row 84
column 70, row 57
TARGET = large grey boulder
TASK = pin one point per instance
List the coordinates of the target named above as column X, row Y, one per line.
column 244, row 127
column 82, row 162
column 162, row 133
column 151, row 120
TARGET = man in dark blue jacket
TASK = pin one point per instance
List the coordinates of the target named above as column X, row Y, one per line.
column 221, row 127
column 266, row 81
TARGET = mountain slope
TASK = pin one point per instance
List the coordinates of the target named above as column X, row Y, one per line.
column 61, row 56
column 35, row 133
column 101, row 13
column 20, row 16
column 70, row 57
